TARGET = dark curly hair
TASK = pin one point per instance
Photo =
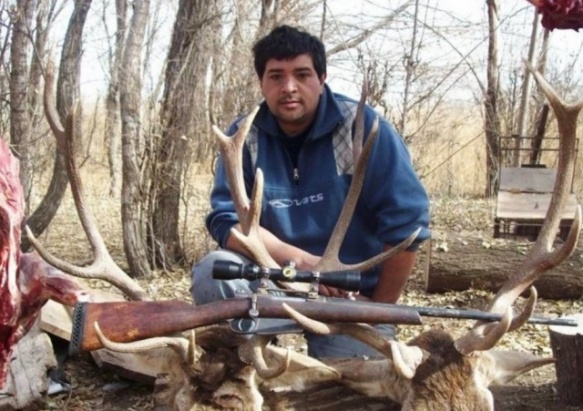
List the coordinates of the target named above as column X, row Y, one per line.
column 286, row 42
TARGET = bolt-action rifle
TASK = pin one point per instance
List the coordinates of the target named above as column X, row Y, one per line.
column 137, row 320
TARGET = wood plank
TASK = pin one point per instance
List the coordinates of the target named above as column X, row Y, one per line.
column 142, row 367
column 529, row 206
column 55, row 319
column 527, row 180
column 27, row 382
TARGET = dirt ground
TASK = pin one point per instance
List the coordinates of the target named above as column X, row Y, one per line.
column 96, row 389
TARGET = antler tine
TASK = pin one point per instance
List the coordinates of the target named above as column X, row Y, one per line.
column 541, row 257
column 362, row 332
column 405, row 358
column 484, row 340
column 251, row 352
column 179, row 344
column 231, row 149
column 103, row 266
column 566, row 115
column 250, row 237
column 330, row 260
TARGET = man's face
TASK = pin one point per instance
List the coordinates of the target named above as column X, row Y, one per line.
column 292, row 90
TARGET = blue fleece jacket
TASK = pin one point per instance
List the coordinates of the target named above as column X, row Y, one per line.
column 301, row 205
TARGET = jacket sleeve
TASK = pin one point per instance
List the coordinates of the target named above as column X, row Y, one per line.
column 392, row 191
column 223, row 216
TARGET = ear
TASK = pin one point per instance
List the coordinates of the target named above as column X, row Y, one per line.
column 502, row 367
column 406, row 359
column 322, row 81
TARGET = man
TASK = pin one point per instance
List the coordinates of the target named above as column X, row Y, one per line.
column 301, row 139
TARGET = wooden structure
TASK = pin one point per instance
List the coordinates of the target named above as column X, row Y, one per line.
column 566, row 343
column 523, row 196
column 524, row 193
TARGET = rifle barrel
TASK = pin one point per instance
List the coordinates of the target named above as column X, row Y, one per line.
column 469, row 314
column 472, row 314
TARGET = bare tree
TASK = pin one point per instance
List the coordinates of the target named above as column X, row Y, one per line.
column 523, row 114
column 183, row 112
column 67, row 94
column 410, row 62
column 47, row 10
column 491, row 117
column 112, row 130
column 130, row 104
column 20, row 129
column 542, row 109
column 5, row 31
column 233, row 90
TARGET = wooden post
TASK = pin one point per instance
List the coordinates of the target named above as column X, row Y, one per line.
column 567, row 345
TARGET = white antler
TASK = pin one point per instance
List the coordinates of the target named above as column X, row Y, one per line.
column 231, row 149
column 542, row 257
column 103, row 267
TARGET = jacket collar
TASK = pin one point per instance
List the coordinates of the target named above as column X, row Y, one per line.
column 327, row 117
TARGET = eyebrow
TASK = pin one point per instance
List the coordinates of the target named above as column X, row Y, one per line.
column 297, row 70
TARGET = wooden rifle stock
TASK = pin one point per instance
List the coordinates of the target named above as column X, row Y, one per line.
column 137, row 320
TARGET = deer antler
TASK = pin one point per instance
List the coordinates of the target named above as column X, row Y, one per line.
column 183, row 346
column 541, row 257
column 231, row 149
column 330, row 260
column 251, row 352
column 103, row 266
column 405, row 358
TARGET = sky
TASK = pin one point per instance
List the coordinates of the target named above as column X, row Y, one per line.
column 462, row 25
column 444, row 16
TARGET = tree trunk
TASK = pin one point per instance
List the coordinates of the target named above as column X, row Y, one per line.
column 523, row 113
column 113, row 121
column 67, row 96
column 537, row 141
column 543, row 107
column 469, row 263
column 410, row 67
column 130, row 103
column 492, row 118
column 43, row 24
column 566, row 343
column 182, row 115
column 19, row 115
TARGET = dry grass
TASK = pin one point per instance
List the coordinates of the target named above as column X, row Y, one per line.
column 455, row 158
column 91, row 386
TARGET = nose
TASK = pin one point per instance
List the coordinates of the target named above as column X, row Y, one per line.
column 289, row 84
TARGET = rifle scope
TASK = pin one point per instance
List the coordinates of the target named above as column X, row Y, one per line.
column 228, row 270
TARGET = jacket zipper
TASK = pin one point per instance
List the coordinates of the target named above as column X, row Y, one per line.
column 296, row 176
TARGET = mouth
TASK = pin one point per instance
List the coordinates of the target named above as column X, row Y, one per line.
column 289, row 103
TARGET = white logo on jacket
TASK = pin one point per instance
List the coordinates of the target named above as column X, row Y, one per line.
column 296, row 202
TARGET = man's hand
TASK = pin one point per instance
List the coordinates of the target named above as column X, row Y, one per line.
column 328, row 291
